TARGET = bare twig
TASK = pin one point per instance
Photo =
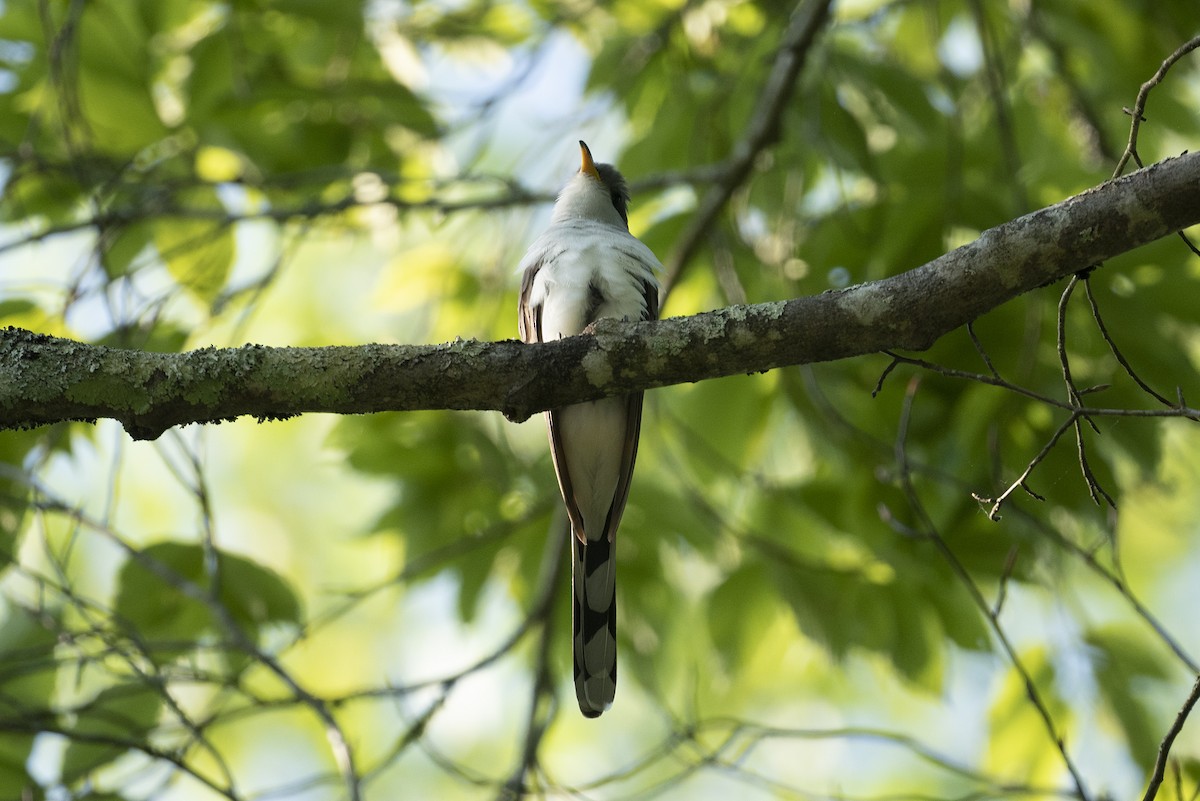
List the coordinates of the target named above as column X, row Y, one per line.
column 1074, row 396
column 1138, row 113
column 1090, row 411
column 538, row 611
column 1010, row 562
column 1095, row 490
column 1137, row 116
column 1164, row 748
column 49, row 726
column 836, row 421
column 1116, row 352
column 981, row 351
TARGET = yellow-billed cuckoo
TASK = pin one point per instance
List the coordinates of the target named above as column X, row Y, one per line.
column 585, row 266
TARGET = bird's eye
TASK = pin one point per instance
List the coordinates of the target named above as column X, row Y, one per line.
column 618, row 201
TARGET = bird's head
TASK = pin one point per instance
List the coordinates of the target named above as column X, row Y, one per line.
column 596, row 192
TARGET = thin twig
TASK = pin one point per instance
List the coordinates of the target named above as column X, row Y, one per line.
column 981, row 351
column 1164, row 748
column 1010, row 563
column 836, row 421
column 1090, row 411
column 1116, row 352
column 1075, row 396
column 1137, row 117
column 1138, row 113
column 1095, row 490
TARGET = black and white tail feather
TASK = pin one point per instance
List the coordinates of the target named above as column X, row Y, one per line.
column 584, row 267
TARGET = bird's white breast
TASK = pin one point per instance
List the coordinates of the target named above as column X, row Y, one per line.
column 589, row 270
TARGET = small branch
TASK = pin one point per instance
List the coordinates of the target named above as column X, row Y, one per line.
column 1164, row 748
column 513, row 195
column 1095, row 490
column 1010, row 562
column 1116, row 352
column 1182, row 410
column 1138, row 112
column 980, row 350
column 1137, row 116
column 1061, row 342
column 539, row 611
column 1075, row 397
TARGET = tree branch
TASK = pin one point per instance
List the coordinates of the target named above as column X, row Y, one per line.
column 45, row 379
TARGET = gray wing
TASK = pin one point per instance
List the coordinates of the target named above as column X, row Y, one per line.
column 529, row 322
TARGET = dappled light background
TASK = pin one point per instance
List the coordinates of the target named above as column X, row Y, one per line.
column 914, row 577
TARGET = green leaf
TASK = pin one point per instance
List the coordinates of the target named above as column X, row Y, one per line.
column 15, row 308
column 47, row 195
column 160, row 337
column 211, row 82
column 123, row 714
column 1019, row 747
column 256, row 595
column 119, row 112
column 1127, row 665
column 15, row 781
column 740, row 609
column 14, row 493
column 28, row 672
column 113, row 40
column 199, row 253
column 155, row 600
column 122, row 245
column 844, row 137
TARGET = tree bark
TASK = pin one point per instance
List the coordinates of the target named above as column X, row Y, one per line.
column 46, row 379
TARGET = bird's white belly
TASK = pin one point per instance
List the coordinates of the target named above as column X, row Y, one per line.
column 593, row 436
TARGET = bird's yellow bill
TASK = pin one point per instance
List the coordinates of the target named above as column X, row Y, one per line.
column 588, row 167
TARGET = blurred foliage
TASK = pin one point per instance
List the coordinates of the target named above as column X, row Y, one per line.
column 179, row 173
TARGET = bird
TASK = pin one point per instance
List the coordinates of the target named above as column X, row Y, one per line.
column 586, row 266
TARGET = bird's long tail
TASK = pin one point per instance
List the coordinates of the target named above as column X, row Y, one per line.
column 594, row 611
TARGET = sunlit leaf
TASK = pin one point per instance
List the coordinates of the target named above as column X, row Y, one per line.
column 1019, row 745
column 199, row 253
